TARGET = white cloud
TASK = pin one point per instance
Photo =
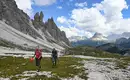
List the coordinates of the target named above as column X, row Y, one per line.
column 105, row 17
column 73, row 31
column 112, row 8
column 84, row 4
column 44, row 2
column 61, row 19
column 26, row 7
column 64, row 21
column 89, row 19
column 59, row 7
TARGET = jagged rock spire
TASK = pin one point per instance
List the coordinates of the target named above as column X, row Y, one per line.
column 36, row 17
column 41, row 16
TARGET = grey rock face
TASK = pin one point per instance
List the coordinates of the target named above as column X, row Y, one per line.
column 55, row 32
column 41, row 16
column 16, row 17
column 36, row 17
column 49, row 26
column 21, row 21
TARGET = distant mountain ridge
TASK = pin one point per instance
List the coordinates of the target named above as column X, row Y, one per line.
column 121, row 46
column 124, row 42
column 113, row 37
column 96, row 40
column 98, row 37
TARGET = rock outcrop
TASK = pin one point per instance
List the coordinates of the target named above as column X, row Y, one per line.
column 16, row 18
column 50, row 27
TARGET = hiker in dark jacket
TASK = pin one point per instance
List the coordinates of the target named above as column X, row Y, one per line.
column 54, row 56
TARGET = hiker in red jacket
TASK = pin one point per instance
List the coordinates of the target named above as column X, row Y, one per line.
column 38, row 57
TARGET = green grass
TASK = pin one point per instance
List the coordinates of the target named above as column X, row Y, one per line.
column 11, row 66
column 89, row 51
column 43, row 77
column 37, row 77
column 122, row 63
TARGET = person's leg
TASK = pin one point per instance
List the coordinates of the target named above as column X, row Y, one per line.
column 36, row 60
column 40, row 62
column 39, row 66
column 53, row 60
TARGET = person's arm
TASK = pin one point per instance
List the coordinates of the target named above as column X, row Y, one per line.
column 40, row 55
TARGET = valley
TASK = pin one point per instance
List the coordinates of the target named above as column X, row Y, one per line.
column 89, row 42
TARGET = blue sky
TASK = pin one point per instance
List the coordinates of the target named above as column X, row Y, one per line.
column 83, row 17
column 67, row 7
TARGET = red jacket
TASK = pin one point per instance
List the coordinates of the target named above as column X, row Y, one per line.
column 38, row 53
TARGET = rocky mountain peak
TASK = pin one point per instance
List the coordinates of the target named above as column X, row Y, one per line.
column 41, row 16
column 38, row 17
column 51, row 21
column 36, row 28
column 49, row 26
column 98, row 37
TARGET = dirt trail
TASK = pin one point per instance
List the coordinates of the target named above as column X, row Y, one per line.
column 98, row 69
